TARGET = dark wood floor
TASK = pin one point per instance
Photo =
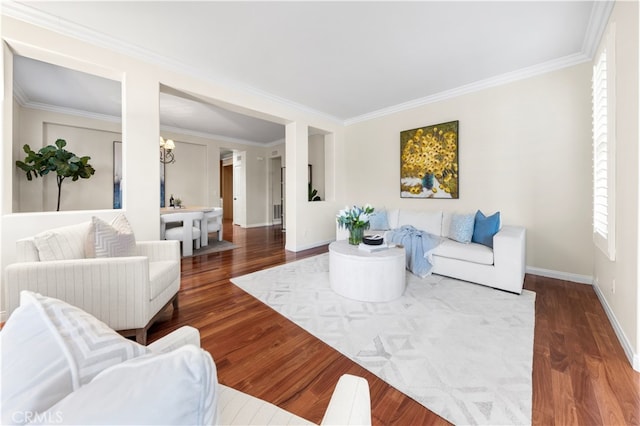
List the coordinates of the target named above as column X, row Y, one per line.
column 580, row 373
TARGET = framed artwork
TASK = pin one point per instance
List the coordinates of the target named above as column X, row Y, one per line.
column 429, row 162
column 117, row 174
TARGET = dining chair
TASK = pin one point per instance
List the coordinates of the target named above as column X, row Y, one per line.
column 188, row 233
column 212, row 223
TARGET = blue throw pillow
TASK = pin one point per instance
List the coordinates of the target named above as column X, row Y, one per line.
column 484, row 228
column 378, row 221
column 461, row 228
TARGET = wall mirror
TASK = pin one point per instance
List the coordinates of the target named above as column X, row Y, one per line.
column 52, row 102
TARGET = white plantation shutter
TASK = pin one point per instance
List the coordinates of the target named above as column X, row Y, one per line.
column 604, row 147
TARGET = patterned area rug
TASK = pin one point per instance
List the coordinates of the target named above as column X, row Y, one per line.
column 462, row 350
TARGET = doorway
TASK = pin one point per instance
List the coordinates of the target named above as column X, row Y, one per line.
column 226, row 185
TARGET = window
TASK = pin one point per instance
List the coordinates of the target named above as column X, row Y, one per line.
column 603, row 92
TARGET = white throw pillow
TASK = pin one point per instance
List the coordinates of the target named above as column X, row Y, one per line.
column 111, row 240
column 49, row 349
column 67, row 242
column 175, row 388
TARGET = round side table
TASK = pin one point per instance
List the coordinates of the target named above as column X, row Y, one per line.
column 369, row 277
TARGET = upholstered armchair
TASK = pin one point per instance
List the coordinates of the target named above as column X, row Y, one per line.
column 127, row 293
column 213, row 221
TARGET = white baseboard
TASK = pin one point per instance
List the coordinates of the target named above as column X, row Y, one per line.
column 310, row 246
column 634, row 358
column 566, row 276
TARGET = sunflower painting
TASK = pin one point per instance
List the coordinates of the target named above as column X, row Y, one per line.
column 429, row 161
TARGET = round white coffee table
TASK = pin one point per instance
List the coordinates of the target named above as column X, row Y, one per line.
column 369, row 277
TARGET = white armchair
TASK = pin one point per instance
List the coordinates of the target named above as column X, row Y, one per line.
column 126, row 293
column 213, row 223
column 188, row 232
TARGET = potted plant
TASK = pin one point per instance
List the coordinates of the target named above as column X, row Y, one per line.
column 54, row 158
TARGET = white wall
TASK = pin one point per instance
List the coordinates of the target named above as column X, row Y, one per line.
column 84, row 136
column 623, row 305
column 524, row 149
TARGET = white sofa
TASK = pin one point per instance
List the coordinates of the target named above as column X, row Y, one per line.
column 126, row 293
column 502, row 267
column 63, row 366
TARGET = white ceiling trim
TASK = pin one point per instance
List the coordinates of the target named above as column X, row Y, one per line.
column 24, row 13
column 597, row 23
column 219, row 138
column 521, row 74
column 24, row 102
column 19, row 95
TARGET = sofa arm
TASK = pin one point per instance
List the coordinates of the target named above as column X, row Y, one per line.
column 115, row 290
column 350, row 403
column 509, row 256
column 158, row 250
column 185, row 335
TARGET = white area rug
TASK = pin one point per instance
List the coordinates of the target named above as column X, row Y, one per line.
column 462, row 350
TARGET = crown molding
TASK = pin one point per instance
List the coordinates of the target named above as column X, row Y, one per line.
column 19, row 94
column 600, row 13
column 219, row 138
column 104, row 117
column 71, row 29
column 499, row 80
column 26, row 103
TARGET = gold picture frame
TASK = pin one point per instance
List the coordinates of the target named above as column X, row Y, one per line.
column 429, row 162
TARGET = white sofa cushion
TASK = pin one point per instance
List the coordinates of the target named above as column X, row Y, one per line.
column 174, row 388
column 67, row 242
column 428, row 221
column 50, row 348
column 472, row 252
column 162, row 274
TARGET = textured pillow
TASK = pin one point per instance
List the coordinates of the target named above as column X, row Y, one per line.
column 111, row 240
column 461, row 228
column 378, row 221
column 484, row 228
column 67, row 242
column 176, row 388
column 49, row 349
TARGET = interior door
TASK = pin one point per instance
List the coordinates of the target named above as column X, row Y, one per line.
column 227, row 192
column 238, row 195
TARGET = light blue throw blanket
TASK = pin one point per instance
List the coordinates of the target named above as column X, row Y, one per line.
column 418, row 245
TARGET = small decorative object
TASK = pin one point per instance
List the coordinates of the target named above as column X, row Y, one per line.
column 356, row 220
column 429, row 161
column 171, row 201
column 53, row 158
column 373, row 240
column 177, row 203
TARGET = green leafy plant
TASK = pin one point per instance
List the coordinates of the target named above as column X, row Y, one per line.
column 54, row 158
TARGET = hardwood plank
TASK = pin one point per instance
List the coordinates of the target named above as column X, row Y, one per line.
column 580, row 372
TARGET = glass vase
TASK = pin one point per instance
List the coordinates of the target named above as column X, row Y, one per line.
column 355, row 235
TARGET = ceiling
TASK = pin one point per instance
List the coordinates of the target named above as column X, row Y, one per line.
column 348, row 61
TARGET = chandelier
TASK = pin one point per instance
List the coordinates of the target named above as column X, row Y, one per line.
column 166, row 151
